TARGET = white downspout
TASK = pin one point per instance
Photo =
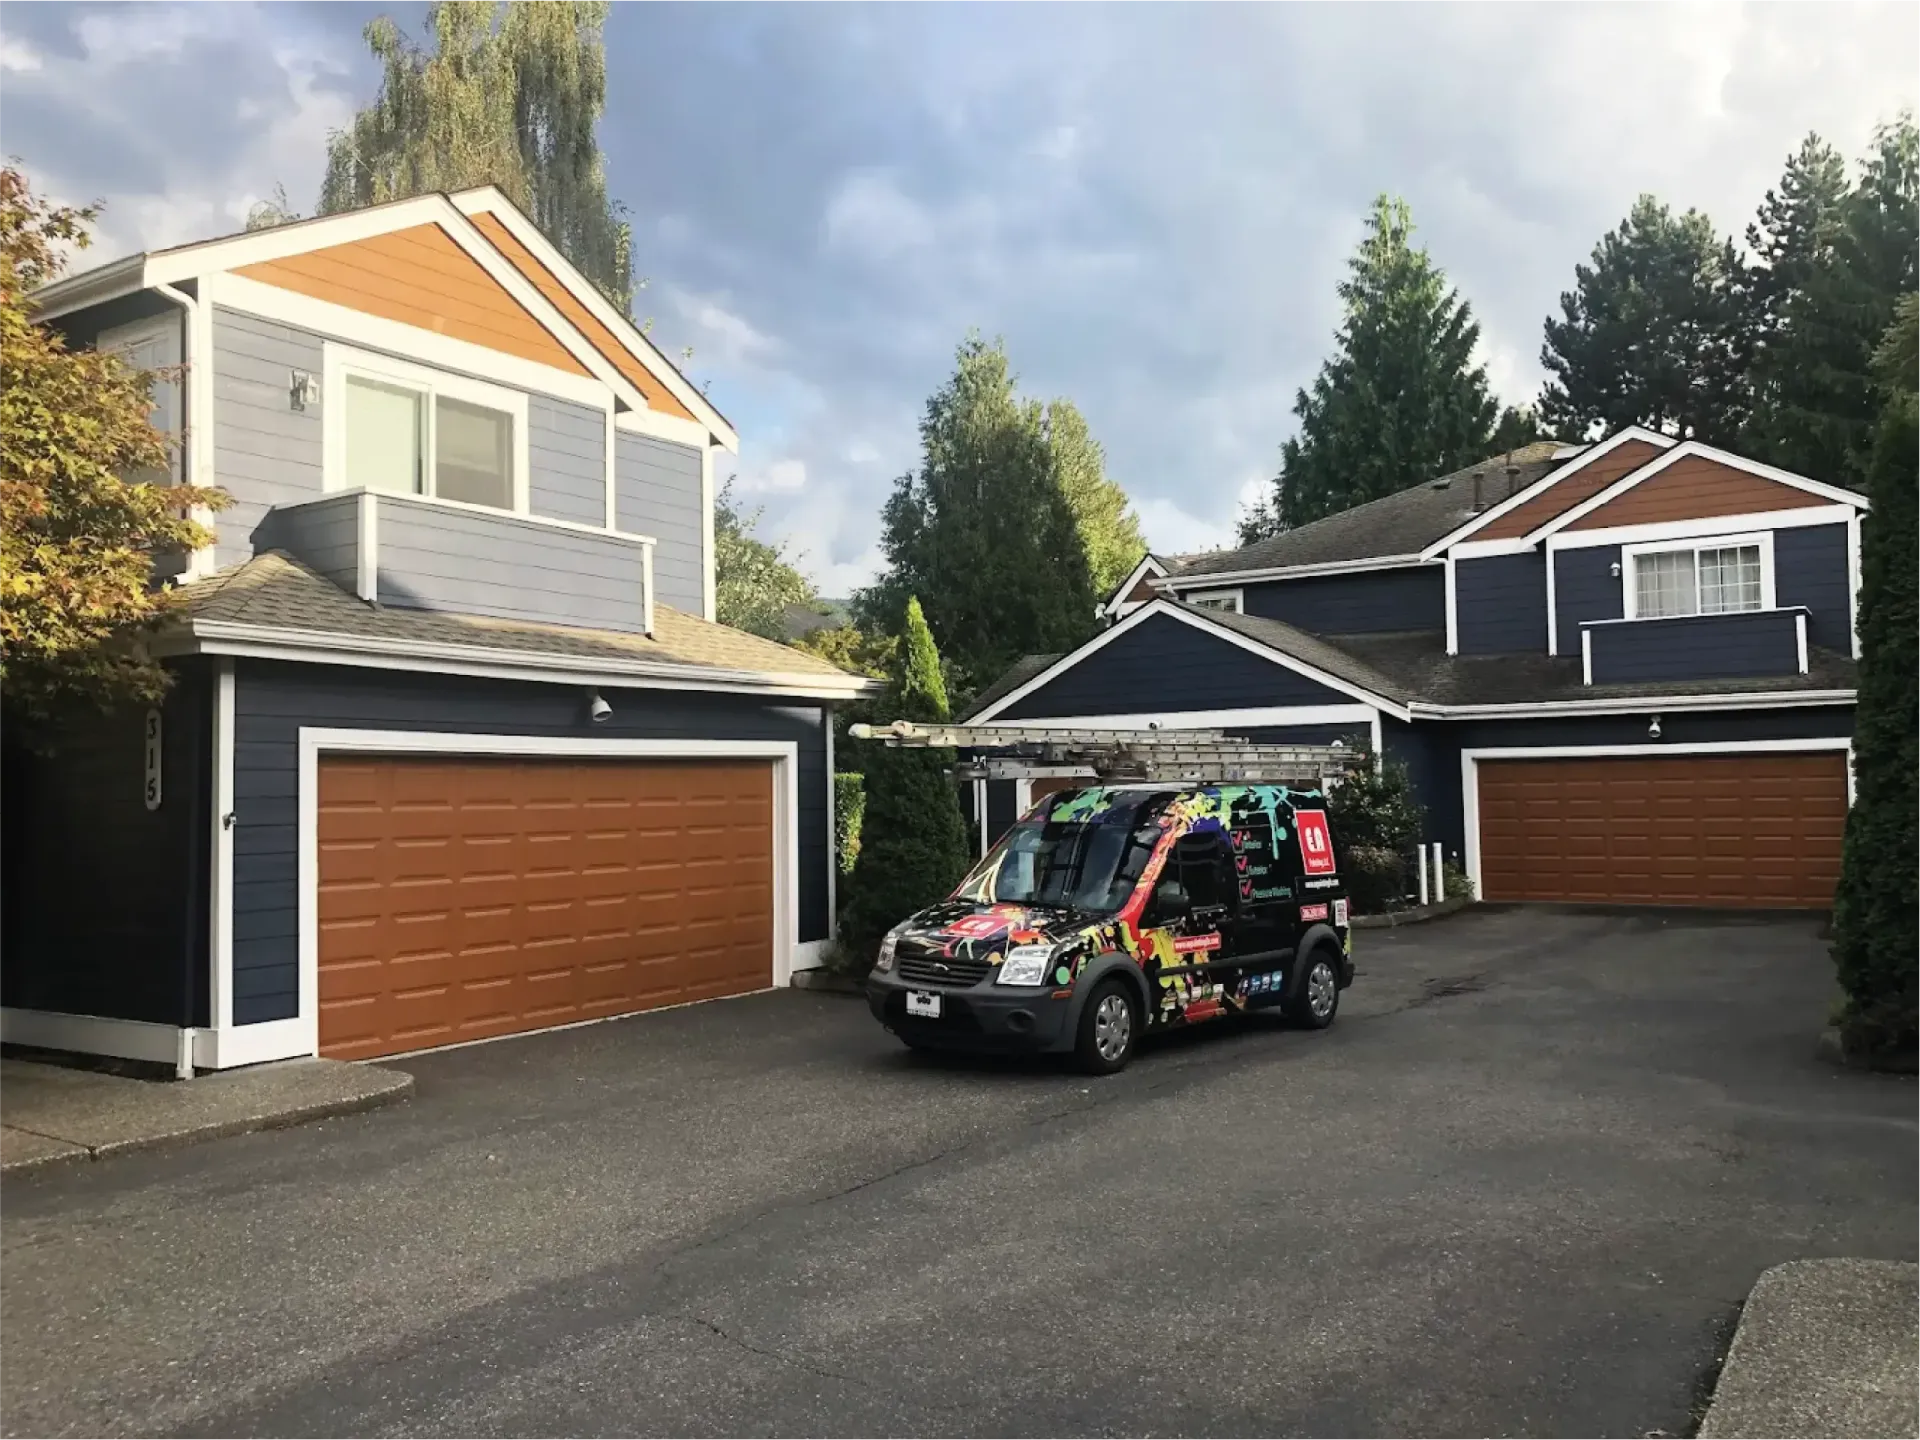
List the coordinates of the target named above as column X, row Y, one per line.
column 196, row 352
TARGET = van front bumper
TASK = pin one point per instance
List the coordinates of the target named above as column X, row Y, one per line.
column 983, row 1017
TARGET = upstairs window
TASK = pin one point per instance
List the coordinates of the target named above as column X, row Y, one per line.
column 1228, row 600
column 412, row 431
column 1715, row 579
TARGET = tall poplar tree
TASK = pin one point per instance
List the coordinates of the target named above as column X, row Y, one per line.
column 984, row 533
column 509, row 95
column 1657, row 331
column 1400, row 401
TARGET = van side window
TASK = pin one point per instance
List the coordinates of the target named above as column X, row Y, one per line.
column 1202, row 864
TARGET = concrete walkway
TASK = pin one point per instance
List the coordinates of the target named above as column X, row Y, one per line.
column 1825, row 1347
column 50, row 1113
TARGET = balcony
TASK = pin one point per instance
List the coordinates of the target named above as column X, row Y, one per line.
column 409, row 552
column 1729, row 646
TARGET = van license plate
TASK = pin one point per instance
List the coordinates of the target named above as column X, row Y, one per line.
column 923, row 1004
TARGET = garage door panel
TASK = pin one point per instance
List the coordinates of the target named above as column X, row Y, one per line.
column 465, row 899
column 1760, row 830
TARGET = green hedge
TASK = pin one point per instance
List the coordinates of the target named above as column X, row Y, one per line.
column 849, row 808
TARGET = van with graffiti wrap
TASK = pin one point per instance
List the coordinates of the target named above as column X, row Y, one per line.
column 1115, row 911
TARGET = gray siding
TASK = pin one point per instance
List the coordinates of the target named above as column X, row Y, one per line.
column 265, row 453
column 657, row 485
column 1370, row 602
column 272, row 701
column 1696, row 647
column 105, row 908
column 1168, row 665
column 567, row 461
column 435, row 557
column 324, row 533
column 1810, row 568
column 1584, row 588
column 1501, row 604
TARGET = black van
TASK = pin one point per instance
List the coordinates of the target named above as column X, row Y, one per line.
column 1115, row 910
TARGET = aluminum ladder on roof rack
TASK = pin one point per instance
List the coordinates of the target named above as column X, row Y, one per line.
column 1202, row 756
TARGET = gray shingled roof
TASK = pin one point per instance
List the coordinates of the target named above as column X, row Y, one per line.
column 274, row 590
column 1401, row 524
column 1021, row 671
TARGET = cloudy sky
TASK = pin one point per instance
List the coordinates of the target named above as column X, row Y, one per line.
column 1151, row 204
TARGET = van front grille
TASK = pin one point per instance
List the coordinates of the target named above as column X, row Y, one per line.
column 945, row 970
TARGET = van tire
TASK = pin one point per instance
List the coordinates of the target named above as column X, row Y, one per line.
column 1109, row 1030
column 1315, row 996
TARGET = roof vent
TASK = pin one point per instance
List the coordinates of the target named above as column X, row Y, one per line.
column 1443, row 483
column 1479, row 497
column 1513, row 477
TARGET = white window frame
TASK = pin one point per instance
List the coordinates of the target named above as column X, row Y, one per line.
column 121, row 340
column 1630, row 558
column 341, row 363
column 1201, row 598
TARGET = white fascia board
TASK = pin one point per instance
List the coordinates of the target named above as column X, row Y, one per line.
column 489, row 200
column 257, row 247
column 661, row 426
column 1065, row 663
column 1685, row 450
column 90, row 287
column 1637, row 705
column 1479, row 549
column 212, row 637
column 1184, row 580
column 1260, row 717
column 1579, row 461
column 408, row 342
column 1713, row 527
column 1148, row 565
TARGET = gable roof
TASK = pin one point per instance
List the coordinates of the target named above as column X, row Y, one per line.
column 1582, row 475
column 1017, row 674
column 1742, row 489
column 1396, row 527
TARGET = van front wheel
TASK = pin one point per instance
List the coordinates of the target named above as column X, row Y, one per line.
column 1109, row 1029
column 1316, row 995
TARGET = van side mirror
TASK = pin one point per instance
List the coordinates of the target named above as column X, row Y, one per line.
column 1170, row 900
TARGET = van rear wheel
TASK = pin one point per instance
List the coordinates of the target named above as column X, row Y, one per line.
column 1316, row 994
column 1109, row 1029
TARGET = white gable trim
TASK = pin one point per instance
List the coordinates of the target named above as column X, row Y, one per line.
column 1546, row 482
column 1148, row 564
column 1198, row 620
column 488, row 200
column 1711, row 526
column 1830, row 493
column 1186, row 580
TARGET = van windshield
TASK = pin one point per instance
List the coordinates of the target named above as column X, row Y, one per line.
column 1090, row 864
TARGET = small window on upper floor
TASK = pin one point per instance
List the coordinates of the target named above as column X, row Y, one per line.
column 1230, row 600
column 411, row 431
column 1698, row 580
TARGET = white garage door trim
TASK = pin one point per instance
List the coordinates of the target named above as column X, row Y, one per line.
column 301, row 1035
column 1470, row 771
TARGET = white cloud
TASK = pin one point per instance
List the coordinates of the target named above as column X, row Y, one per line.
column 870, row 217
column 17, row 57
column 782, row 477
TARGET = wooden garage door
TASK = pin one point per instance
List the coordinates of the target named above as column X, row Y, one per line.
column 462, row 899
column 1759, row 830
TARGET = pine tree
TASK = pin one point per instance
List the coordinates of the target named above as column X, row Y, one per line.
column 1399, row 402
column 509, row 95
column 1875, row 934
column 1657, row 331
column 983, row 534
column 1109, row 531
column 913, row 842
column 1817, row 400
column 1519, row 425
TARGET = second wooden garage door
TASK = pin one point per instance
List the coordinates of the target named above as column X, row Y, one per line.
column 464, row 899
column 1756, row 830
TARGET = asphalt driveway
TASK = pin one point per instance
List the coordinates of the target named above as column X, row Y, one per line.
column 1517, row 1189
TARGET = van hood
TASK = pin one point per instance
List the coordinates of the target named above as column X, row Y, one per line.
column 976, row 929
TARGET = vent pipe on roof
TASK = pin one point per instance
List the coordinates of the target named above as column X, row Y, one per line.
column 1479, row 498
column 1513, row 475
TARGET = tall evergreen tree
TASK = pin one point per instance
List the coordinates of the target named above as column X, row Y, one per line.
column 1874, row 928
column 1399, row 402
column 984, row 534
column 1109, row 531
column 754, row 582
column 1819, row 402
column 913, row 842
column 1657, row 331
column 507, row 94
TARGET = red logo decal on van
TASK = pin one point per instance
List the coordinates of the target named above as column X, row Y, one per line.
column 1312, row 912
column 1316, row 844
column 976, row 927
column 1187, row 944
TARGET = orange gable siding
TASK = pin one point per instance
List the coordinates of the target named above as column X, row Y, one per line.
column 1583, row 484
column 1143, row 591
column 657, row 395
column 419, row 276
column 1696, row 488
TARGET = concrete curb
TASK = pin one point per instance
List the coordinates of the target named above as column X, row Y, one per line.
column 1416, row 916
column 826, row 982
column 24, row 1149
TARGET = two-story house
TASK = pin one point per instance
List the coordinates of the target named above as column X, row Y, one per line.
column 1617, row 672
column 455, row 747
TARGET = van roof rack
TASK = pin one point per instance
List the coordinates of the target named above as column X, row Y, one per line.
column 1177, row 756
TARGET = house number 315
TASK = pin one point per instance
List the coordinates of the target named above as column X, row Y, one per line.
column 152, row 789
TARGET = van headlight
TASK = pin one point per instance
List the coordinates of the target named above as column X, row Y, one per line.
column 1026, row 965
column 884, row 961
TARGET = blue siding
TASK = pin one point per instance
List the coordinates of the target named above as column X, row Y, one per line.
column 272, row 701
column 1695, row 647
column 1810, row 568
column 657, row 484
column 1164, row 664
column 1370, row 602
column 1500, row 603
column 1584, row 588
column 566, row 461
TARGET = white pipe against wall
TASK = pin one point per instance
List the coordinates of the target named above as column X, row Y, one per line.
column 1420, row 864
column 1439, row 882
column 195, row 393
